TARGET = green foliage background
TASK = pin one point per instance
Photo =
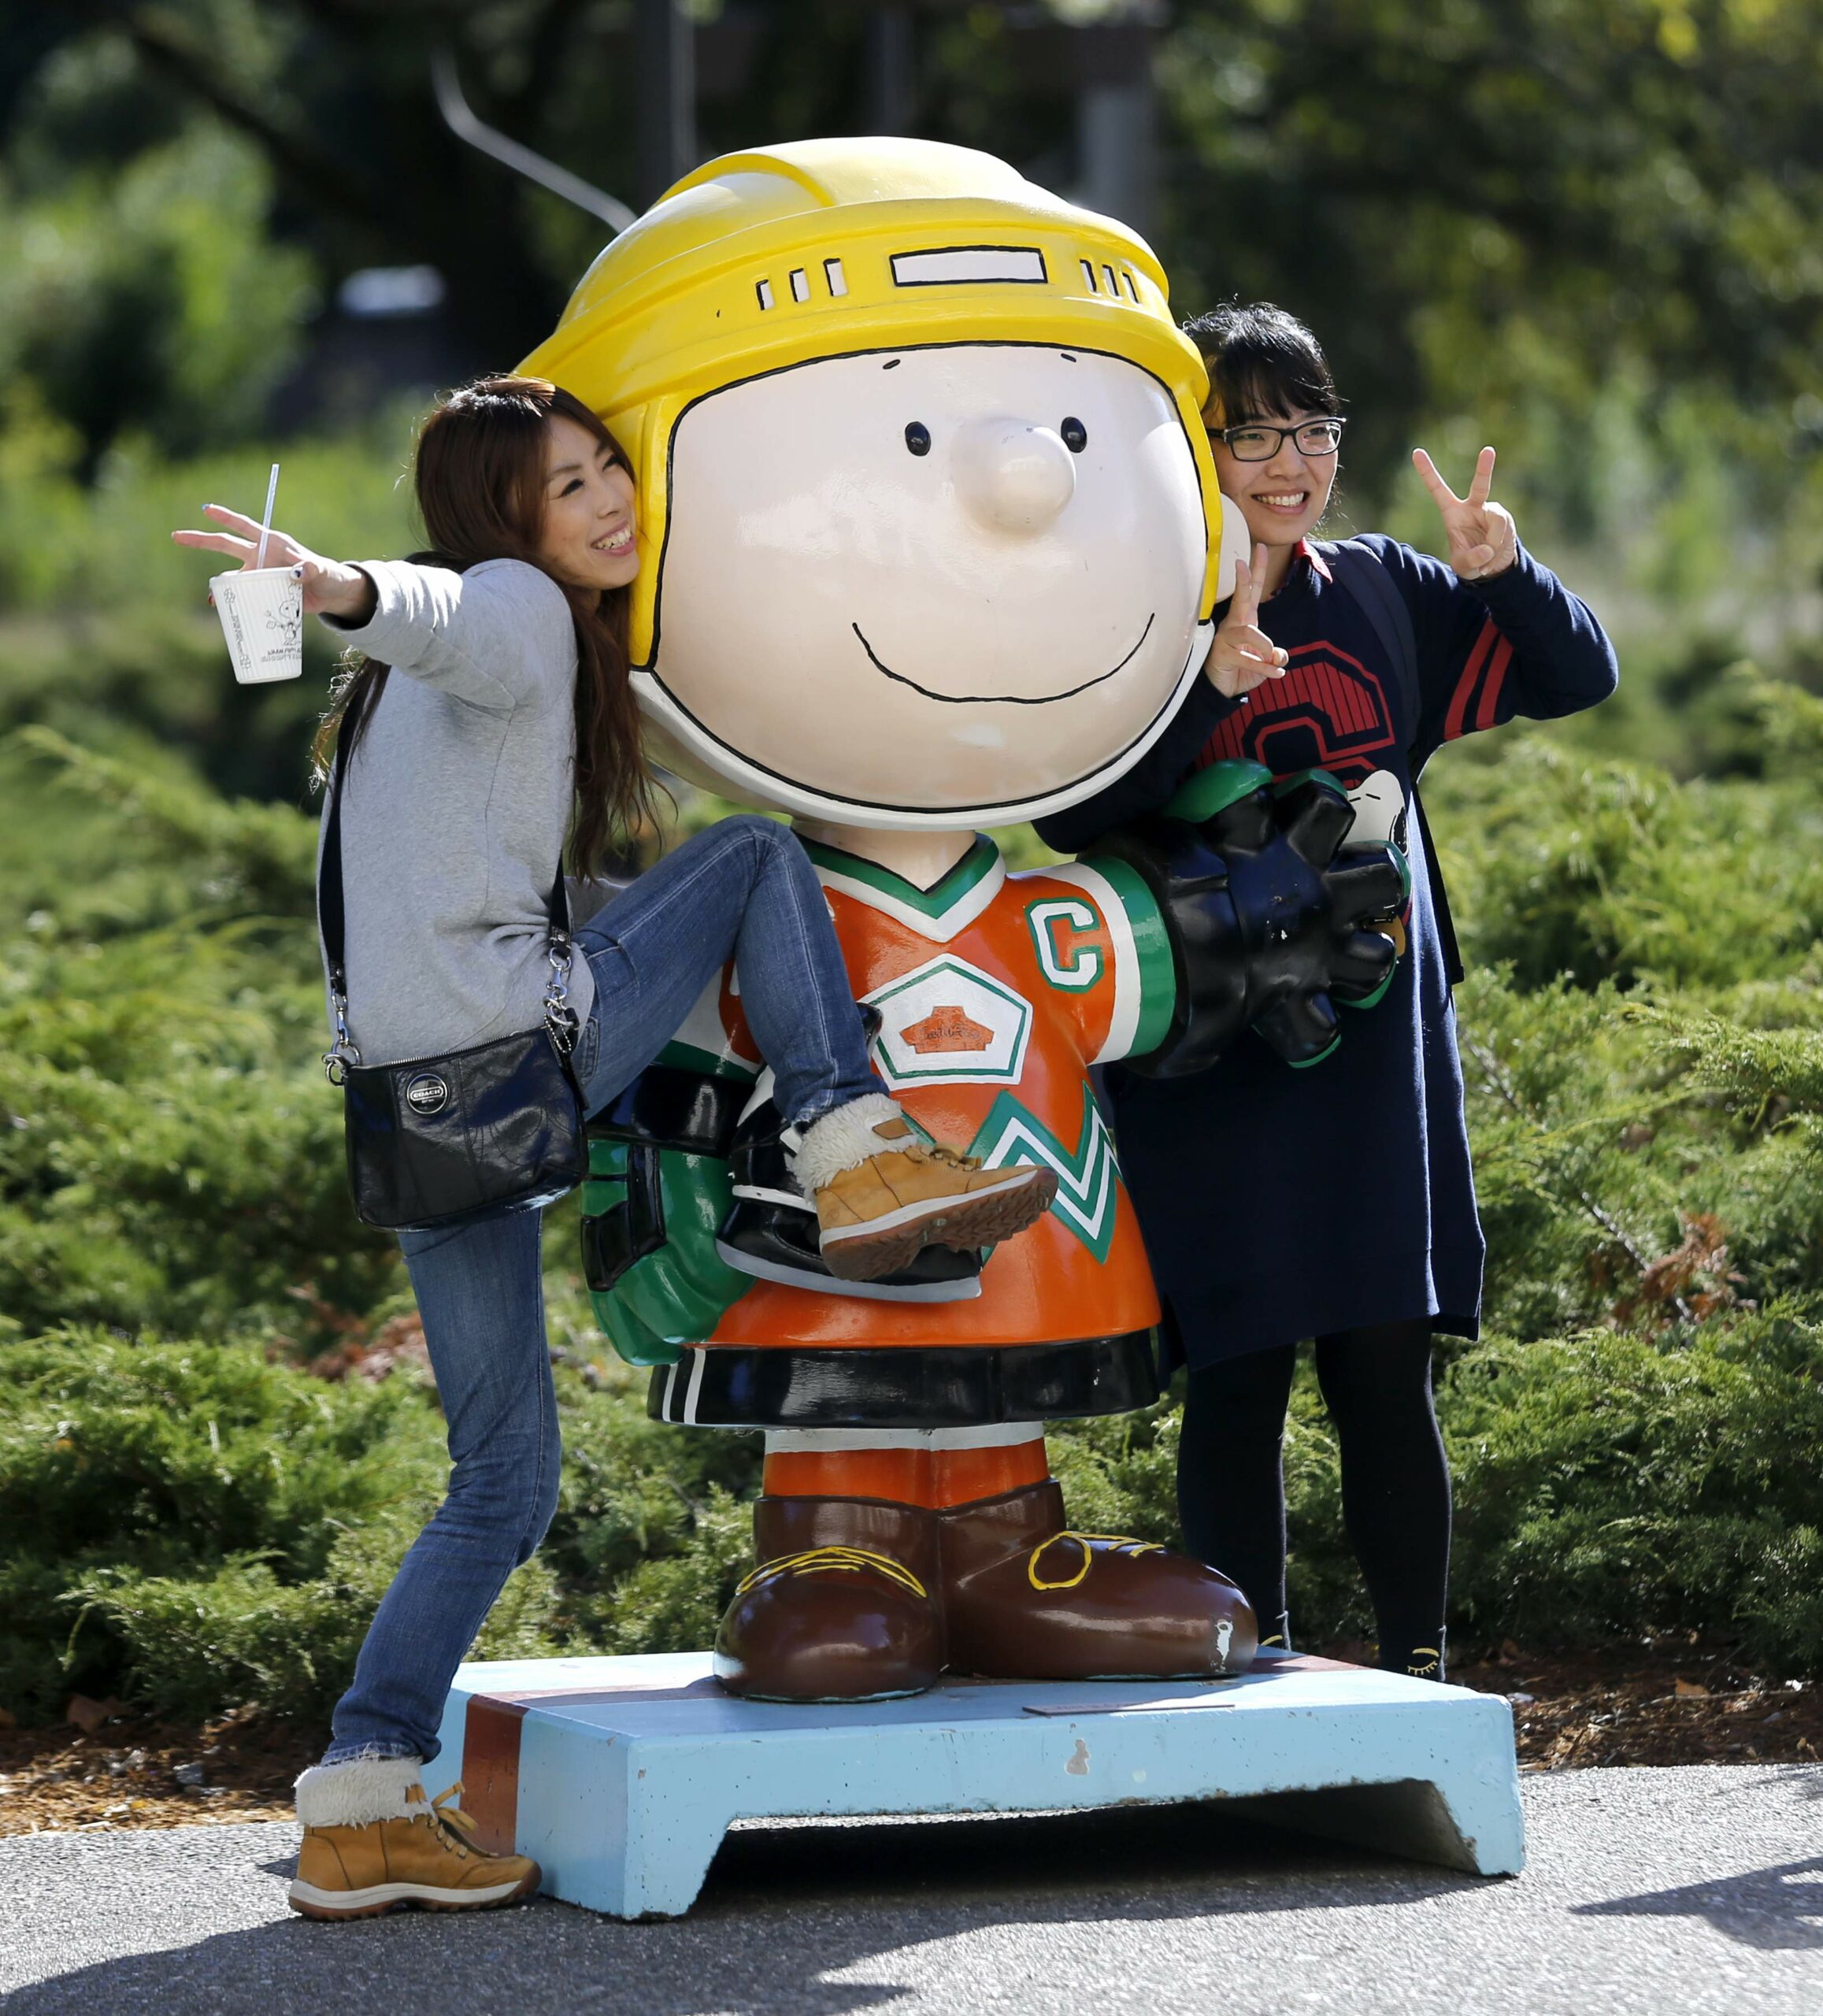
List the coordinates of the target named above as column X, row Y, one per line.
column 201, row 1495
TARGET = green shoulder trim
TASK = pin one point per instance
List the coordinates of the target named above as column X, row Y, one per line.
column 978, row 863
column 1322, row 1056
column 1215, row 789
column 1157, row 970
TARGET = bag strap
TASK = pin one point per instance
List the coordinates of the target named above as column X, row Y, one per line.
column 1363, row 575
column 341, row 1055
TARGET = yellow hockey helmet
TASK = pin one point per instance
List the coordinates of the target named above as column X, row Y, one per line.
column 760, row 260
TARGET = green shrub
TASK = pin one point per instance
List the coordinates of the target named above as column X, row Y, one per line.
column 1608, row 1485
column 1563, row 867
column 194, row 1524
column 193, row 1528
column 169, row 1158
column 649, row 1537
column 142, row 1483
column 1119, row 1473
column 193, row 1644
column 672, row 1601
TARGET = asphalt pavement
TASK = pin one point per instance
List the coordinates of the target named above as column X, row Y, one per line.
column 1695, row 1889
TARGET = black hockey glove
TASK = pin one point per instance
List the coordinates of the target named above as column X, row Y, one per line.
column 1271, row 918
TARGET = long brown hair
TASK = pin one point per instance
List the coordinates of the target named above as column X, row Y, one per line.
column 479, row 474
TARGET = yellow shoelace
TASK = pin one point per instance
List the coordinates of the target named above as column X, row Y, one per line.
column 832, row 1561
column 446, row 1817
column 935, row 1151
column 1120, row 1543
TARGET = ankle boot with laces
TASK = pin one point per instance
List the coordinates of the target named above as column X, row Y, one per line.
column 373, row 1843
column 883, row 1195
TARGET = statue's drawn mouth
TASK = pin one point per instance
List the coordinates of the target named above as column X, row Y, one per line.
column 1004, row 699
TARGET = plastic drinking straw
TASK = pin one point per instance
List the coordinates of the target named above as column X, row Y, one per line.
column 265, row 529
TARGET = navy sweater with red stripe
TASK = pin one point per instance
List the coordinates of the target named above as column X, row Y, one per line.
column 1280, row 1204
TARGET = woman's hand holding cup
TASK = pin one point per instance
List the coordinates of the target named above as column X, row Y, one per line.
column 262, row 606
column 330, row 587
column 1242, row 655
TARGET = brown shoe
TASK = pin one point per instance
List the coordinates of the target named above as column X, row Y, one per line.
column 360, row 1869
column 877, row 1214
column 840, row 1608
column 1026, row 1598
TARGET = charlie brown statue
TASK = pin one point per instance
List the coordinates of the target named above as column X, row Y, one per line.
column 931, row 542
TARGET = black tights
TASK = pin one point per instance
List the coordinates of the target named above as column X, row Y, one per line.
column 1396, row 1479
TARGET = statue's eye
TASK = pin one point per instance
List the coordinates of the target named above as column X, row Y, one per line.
column 1075, row 436
column 917, row 437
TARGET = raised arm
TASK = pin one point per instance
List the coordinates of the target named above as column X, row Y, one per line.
column 496, row 636
column 1499, row 636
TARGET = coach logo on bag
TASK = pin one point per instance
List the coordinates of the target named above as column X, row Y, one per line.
column 428, row 1093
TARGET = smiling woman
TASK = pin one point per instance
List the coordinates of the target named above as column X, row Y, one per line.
column 513, row 468
column 487, row 716
column 1359, row 657
column 588, row 534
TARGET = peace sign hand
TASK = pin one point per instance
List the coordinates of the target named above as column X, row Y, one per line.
column 330, row 587
column 1483, row 538
column 1242, row 655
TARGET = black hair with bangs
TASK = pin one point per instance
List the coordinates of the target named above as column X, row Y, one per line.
column 1263, row 363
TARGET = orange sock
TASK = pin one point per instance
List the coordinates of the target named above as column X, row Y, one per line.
column 934, row 1478
column 960, row 1476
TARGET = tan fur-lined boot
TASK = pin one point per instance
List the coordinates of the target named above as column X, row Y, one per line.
column 373, row 1842
column 883, row 1195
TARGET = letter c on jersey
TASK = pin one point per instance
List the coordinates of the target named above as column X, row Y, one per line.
column 1073, row 968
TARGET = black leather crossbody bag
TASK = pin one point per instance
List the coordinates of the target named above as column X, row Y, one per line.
column 436, row 1140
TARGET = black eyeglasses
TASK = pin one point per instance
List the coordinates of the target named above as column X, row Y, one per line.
column 1259, row 440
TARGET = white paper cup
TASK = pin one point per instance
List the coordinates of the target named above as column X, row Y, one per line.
column 262, row 617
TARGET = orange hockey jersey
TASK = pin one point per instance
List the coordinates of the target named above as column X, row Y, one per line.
column 996, row 993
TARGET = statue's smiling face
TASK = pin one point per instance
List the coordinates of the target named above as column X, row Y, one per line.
column 947, row 580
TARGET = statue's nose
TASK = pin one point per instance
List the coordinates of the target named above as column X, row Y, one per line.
column 1014, row 477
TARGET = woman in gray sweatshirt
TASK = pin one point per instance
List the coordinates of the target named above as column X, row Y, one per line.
column 512, row 730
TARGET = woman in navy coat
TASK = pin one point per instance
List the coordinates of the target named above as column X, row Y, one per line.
column 1336, row 1203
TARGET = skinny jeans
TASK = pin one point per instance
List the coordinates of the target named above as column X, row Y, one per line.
column 744, row 890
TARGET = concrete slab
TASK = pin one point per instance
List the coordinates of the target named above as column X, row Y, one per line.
column 621, row 1775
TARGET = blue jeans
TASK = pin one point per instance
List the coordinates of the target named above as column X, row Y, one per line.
column 745, row 890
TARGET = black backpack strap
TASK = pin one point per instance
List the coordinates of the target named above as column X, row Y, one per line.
column 1363, row 575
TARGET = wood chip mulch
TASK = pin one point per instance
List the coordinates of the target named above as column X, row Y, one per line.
column 108, row 1768
column 1664, row 1702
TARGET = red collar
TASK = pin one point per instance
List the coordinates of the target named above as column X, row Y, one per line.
column 1305, row 550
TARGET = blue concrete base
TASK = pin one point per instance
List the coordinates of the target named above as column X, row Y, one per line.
column 621, row 1775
